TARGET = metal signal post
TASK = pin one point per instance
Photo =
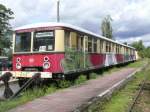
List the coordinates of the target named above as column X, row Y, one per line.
column 58, row 16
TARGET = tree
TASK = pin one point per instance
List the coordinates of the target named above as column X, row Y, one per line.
column 147, row 52
column 106, row 27
column 5, row 28
column 125, row 43
column 139, row 47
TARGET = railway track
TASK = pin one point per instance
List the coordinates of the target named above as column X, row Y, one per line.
column 137, row 96
column 143, row 83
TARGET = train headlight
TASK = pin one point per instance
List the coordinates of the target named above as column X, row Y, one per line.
column 46, row 59
column 18, row 65
column 18, row 59
column 46, row 65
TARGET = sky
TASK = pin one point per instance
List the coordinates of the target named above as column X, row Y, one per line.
column 130, row 17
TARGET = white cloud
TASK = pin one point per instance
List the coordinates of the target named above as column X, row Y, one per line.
column 130, row 17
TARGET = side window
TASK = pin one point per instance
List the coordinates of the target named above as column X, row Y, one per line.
column 67, row 39
column 73, row 40
column 116, row 49
column 98, row 46
column 104, row 46
column 110, row 47
column 85, row 43
column 95, row 44
column 80, row 42
column 107, row 46
column 89, row 44
column 113, row 47
column 101, row 46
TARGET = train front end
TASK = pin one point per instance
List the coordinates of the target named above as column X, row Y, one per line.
column 38, row 50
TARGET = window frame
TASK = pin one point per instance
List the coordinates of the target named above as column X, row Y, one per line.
column 53, row 46
column 21, row 37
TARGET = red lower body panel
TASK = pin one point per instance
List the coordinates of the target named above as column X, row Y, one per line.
column 97, row 60
column 37, row 60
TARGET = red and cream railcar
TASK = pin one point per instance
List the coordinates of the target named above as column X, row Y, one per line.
column 54, row 49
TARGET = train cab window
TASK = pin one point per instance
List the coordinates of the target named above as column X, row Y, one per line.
column 23, row 42
column 95, row 45
column 89, row 44
column 43, row 41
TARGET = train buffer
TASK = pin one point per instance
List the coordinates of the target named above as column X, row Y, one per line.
column 8, row 93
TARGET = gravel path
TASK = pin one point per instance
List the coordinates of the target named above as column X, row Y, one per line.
column 69, row 99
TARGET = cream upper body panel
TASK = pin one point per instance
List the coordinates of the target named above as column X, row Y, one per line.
column 59, row 41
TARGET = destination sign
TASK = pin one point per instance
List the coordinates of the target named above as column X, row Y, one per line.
column 44, row 34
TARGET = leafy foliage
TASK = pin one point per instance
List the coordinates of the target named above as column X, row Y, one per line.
column 64, row 83
column 146, row 52
column 5, row 28
column 81, row 79
column 142, row 50
column 106, row 27
column 75, row 60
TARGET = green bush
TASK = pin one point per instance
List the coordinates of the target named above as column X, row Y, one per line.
column 64, row 84
column 80, row 79
column 93, row 76
column 50, row 89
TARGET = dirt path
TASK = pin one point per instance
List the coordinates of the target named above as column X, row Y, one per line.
column 73, row 97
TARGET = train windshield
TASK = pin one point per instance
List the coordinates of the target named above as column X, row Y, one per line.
column 23, row 42
column 43, row 41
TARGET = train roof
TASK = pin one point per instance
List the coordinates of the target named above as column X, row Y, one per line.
column 55, row 24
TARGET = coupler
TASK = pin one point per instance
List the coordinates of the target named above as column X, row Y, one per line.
column 5, row 78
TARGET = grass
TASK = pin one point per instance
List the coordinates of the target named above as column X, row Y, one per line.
column 121, row 100
column 93, row 76
column 33, row 94
column 38, row 92
column 143, row 104
column 139, row 63
column 25, row 97
column 135, row 64
column 80, row 79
